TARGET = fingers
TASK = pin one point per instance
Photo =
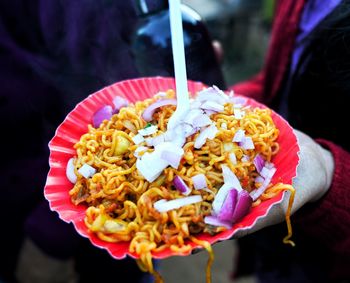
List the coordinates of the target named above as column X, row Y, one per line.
column 314, row 172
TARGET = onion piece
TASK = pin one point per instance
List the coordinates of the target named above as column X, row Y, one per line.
column 255, row 194
column 104, row 113
column 148, row 130
column 238, row 113
column 87, row 171
column 201, row 120
column 192, row 114
column 230, row 178
column 208, row 133
column 239, row 136
column 199, row 181
column 156, row 140
column 245, row 158
column 214, row 221
column 139, row 150
column 181, row 186
column 246, row 143
column 220, row 198
column 147, row 115
column 138, row 139
column 212, row 94
column 213, row 106
column 267, row 173
column 259, row 162
column 151, row 165
column 244, row 203
column 228, row 207
column 233, row 158
column 172, row 154
column 119, row 102
column 164, row 206
column 189, row 130
column 238, row 100
column 70, row 171
column 259, row 179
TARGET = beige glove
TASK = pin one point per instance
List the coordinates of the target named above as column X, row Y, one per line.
column 314, row 177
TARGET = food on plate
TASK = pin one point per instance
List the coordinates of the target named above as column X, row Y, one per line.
column 159, row 188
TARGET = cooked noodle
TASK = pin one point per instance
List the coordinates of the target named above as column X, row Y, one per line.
column 120, row 200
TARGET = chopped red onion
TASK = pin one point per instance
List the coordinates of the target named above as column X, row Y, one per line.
column 239, row 136
column 180, row 140
column 181, row 186
column 214, row 221
column 255, row 194
column 137, row 139
column 259, row 162
column 230, row 178
column 164, row 206
column 87, row 171
column 201, row 120
column 171, row 153
column 189, row 130
column 238, row 100
column 104, row 113
column 212, row 94
column 147, row 115
column 156, row 140
column 245, row 158
column 213, row 106
column 192, row 114
column 208, row 133
column 259, row 179
column 151, row 165
column 199, row 181
column 230, row 182
column 119, row 102
column 220, row 198
column 267, row 173
column 269, row 165
column 221, row 93
column 228, row 207
column 233, row 158
column 244, row 203
column 148, row 130
column 70, row 171
column 246, row 143
column 238, row 113
column 139, row 150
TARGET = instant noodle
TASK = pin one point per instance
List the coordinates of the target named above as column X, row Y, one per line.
column 161, row 190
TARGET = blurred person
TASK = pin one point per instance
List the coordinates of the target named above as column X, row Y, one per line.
column 52, row 55
column 306, row 79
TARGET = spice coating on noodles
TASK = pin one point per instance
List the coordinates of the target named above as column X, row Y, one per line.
column 121, row 201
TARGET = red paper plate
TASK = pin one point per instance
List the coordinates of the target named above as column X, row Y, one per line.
column 75, row 124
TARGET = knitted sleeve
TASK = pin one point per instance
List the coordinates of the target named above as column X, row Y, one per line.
column 328, row 220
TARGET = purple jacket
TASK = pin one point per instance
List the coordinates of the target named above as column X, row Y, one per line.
column 53, row 53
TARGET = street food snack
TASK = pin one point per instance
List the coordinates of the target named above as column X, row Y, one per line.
column 161, row 189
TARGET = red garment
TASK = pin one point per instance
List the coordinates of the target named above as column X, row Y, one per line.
column 328, row 220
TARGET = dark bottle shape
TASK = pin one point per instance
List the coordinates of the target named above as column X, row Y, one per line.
column 151, row 44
